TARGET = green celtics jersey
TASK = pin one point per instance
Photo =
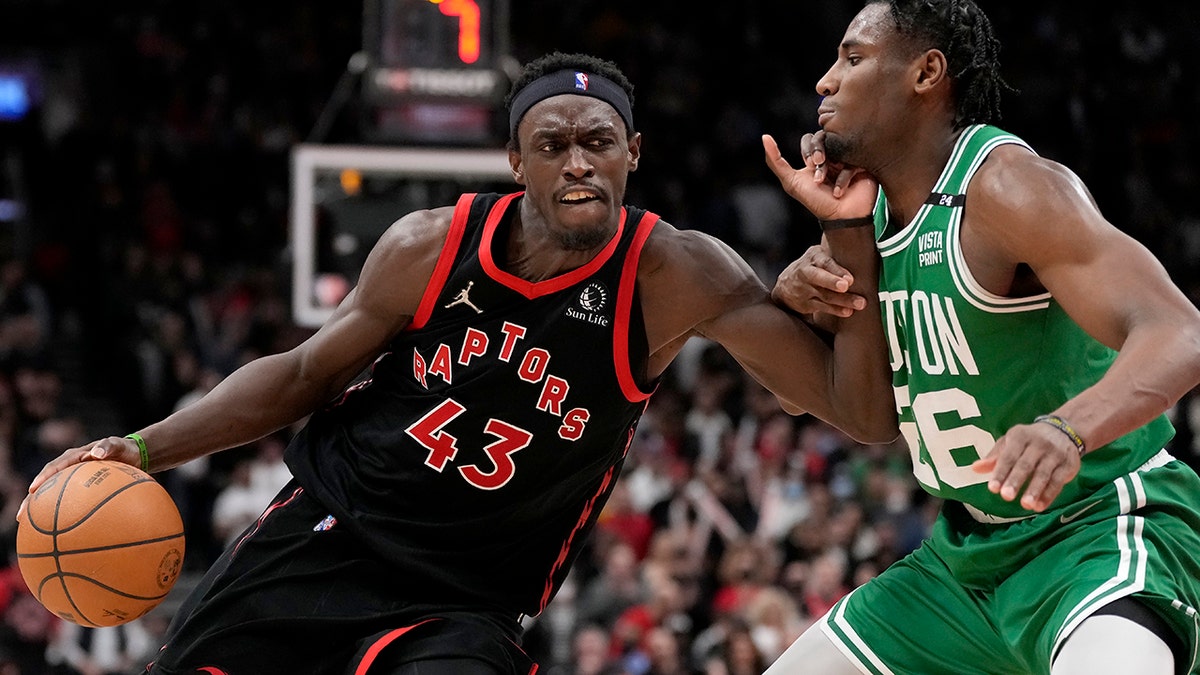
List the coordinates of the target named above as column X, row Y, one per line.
column 968, row 364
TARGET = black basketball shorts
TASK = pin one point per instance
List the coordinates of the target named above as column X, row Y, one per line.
column 297, row 593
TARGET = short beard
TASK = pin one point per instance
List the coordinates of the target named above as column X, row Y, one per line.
column 583, row 241
column 838, row 149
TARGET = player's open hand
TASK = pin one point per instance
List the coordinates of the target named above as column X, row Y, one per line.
column 815, row 283
column 114, row 448
column 1032, row 461
column 830, row 192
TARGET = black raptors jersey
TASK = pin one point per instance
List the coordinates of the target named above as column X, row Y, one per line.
column 478, row 454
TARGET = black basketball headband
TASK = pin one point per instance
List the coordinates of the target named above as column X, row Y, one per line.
column 570, row 82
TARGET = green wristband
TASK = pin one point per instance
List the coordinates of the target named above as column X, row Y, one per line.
column 145, row 454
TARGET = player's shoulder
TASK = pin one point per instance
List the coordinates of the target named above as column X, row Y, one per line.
column 683, row 248
column 1016, row 194
column 403, row 259
column 691, row 261
column 420, row 228
column 1013, row 176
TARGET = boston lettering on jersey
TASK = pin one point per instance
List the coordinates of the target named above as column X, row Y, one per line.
column 931, row 323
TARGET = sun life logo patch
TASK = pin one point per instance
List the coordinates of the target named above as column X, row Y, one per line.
column 590, row 306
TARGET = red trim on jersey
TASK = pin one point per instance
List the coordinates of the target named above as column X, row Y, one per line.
column 532, row 669
column 263, row 517
column 583, row 519
column 441, row 271
column 534, row 289
column 566, row 545
column 625, row 377
column 380, row 644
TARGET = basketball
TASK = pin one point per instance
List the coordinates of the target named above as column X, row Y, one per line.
column 100, row 543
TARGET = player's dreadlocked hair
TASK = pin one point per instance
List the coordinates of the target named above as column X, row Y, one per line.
column 961, row 31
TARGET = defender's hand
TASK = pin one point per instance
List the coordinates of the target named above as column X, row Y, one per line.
column 812, row 149
column 815, row 284
column 835, row 193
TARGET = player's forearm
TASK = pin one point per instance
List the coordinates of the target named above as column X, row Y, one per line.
column 1152, row 372
column 861, row 374
column 257, row 399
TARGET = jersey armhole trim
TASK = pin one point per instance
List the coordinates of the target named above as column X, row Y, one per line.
column 629, row 385
column 441, row 271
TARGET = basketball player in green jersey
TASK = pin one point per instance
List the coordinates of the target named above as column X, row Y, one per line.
column 1034, row 348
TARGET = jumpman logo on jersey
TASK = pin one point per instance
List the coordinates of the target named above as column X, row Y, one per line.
column 462, row 299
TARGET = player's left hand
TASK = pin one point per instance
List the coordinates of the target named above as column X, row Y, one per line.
column 815, row 283
column 848, row 193
column 1033, row 461
column 112, row 448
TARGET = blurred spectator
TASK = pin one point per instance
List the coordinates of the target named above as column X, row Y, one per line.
column 618, row 586
column 238, row 505
column 253, row 485
column 737, row 654
column 631, row 635
column 746, row 568
column 664, row 653
column 27, row 628
column 775, row 620
column 46, row 439
column 826, row 582
column 111, row 650
column 590, row 654
column 27, row 318
column 38, row 388
column 621, row 519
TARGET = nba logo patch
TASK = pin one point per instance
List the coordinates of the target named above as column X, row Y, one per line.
column 326, row 523
column 581, row 81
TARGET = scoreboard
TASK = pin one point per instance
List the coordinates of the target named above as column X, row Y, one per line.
column 436, row 73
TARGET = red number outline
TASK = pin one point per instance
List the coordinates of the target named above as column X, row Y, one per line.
column 427, row 431
column 511, row 440
column 430, row 433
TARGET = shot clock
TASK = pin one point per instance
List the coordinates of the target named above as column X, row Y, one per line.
column 436, row 72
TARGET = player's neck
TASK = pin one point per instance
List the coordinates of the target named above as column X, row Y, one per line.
column 535, row 254
column 908, row 178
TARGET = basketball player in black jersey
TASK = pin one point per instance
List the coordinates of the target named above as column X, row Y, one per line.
column 507, row 346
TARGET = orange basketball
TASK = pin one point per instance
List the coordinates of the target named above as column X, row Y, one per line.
column 100, row 543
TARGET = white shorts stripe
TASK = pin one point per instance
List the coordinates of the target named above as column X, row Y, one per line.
column 837, row 616
column 1130, row 577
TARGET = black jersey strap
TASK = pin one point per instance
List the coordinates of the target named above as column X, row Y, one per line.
column 943, row 199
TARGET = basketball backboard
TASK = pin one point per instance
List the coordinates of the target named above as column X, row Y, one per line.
column 345, row 196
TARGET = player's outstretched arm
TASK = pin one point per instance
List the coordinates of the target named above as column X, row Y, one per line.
column 274, row 391
column 695, row 285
